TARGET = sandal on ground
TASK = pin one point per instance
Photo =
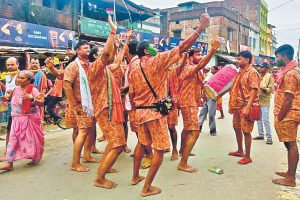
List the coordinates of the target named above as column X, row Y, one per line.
column 245, row 161
column 236, row 153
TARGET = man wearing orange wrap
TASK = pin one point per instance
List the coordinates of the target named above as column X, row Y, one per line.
column 152, row 126
column 108, row 110
column 173, row 77
column 75, row 84
column 287, row 111
column 189, row 99
column 243, row 93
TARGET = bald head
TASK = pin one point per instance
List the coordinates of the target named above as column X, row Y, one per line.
column 12, row 64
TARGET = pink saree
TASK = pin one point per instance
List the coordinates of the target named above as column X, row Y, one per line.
column 26, row 139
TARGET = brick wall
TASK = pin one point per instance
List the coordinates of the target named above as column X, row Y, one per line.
column 20, row 10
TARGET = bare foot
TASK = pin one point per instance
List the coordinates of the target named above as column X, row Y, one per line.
column 152, row 191
column 174, row 155
column 112, row 171
column 7, row 167
column 127, row 149
column 285, row 182
column 146, row 163
column 96, row 151
column 135, row 181
column 101, row 138
column 221, row 117
column 282, row 174
column 107, row 184
column 33, row 162
column 79, row 168
column 2, row 158
column 186, row 168
column 90, row 160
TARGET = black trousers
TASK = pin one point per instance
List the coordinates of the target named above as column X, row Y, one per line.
column 51, row 102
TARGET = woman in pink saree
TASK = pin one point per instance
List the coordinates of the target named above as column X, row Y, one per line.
column 27, row 136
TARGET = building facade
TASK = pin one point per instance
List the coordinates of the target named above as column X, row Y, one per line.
column 254, row 39
column 271, row 41
column 231, row 27
column 263, row 27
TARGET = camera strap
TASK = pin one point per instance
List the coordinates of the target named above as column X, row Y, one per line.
column 148, row 83
column 150, row 87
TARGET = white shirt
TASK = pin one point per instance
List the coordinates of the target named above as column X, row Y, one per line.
column 10, row 84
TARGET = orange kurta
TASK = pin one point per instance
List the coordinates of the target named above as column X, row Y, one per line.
column 98, row 86
column 57, row 88
column 190, row 91
column 119, row 76
column 173, row 79
column 155, row 68
column 72, row 75
column 250, row 80
column 288, row 127
column 113, row 131
column 190, row 96
column 152, row 126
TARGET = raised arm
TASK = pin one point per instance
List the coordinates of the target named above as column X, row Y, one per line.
column 215, row 44
column 181, row 65
column 119, row 58
column 187, row 43
column 108, row 48
column 50, row 65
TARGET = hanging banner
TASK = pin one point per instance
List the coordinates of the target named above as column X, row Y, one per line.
column 22, row 33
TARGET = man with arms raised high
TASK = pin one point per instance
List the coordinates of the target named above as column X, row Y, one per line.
column 152, row 126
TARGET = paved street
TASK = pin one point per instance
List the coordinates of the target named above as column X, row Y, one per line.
column 52, row 179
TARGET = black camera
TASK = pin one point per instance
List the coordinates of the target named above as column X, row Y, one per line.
column 165, row 105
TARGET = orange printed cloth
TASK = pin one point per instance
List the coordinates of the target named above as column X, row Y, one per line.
column 113, row 131
column 155, row 68
column 173, row 117
column 290, row 84
column 72, row 75
column 119, row 76
column 133, row 125
column 57, row 88
column 190, row 118
column 116, row 114
column 154, row 132
column 44, row 84
column 77, row 119
column 98, row 86
column 249, row 79
column 173, row 79
column 190, row 87
column 240, row 122
column 286, row 130
column 70, row 117
column 219, row 104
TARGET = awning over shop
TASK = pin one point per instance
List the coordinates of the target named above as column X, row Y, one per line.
column 97, row 10
column 9, row 51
